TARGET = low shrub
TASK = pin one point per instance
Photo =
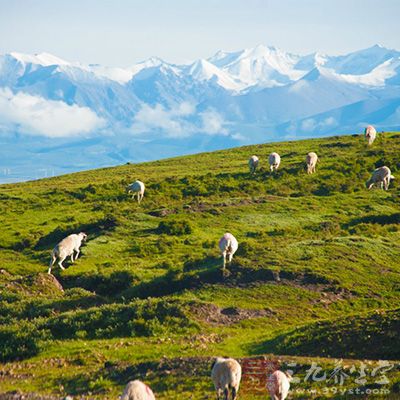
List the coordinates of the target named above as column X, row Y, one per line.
column 175, row 227
column 138, row 318
column 20, row 341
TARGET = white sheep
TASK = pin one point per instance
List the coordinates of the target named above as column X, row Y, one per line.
column 228, row 246
column 253, row 164
column 278, row 385
column 137, row 189
column 226, row 374
column 311, row 161
column 274, row 160
column 370, row 134
column 66, row 248
column 381, row 176
column 137, row 390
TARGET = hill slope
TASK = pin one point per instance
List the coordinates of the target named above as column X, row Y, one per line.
column 147, row 297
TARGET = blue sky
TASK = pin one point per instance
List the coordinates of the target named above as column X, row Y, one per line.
column 122, row 32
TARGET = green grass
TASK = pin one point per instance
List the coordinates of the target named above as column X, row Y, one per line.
column 318, row 262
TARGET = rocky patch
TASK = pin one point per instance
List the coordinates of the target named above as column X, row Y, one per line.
column 215, row 315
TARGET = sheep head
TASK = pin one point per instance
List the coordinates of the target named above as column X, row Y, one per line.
column 83, row 236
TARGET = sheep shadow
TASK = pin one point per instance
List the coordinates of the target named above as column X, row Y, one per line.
column 92, row 229
column 193, row 275
column 108, row 286
column 382, row 219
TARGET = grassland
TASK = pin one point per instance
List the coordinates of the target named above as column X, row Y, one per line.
column 316, row 276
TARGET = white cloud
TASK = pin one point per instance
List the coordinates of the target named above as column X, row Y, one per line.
column 308, row 124
column 35, row 115
column 327, row 122
column 239, row 136
column 212, row 123
column 178, row 122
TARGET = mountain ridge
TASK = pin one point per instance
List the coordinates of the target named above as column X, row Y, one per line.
column 231, row 98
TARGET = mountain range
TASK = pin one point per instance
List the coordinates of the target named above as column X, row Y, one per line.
column 58, row 116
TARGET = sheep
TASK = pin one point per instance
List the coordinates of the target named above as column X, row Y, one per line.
column 278, row 385
column 311, row 161
column 228, row 246
column 380, row 176
column 370, row 134
column 274, row 160
column 137, row 390
column 253, row 164
column 226, row 374
column 66, row 248
column 137, row 188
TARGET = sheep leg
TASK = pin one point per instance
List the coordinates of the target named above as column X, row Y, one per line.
column 226, row 394
column 52, row 261
column 60, row 261
column 77, row 253
column 234, row 393
column 224, row 260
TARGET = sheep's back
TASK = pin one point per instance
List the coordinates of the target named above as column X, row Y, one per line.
column 137, row 390
column 226, row 373
column 67, row 245
column 228, row 238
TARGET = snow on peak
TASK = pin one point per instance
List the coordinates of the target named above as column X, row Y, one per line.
column 44, row 59
column 362, row 61
column 245, row 70
column 149, row 63
column 261, row 65
column 124, row 75
column 378, row 76
column 202, row 70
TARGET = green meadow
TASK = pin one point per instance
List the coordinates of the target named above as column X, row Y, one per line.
column 316, row 278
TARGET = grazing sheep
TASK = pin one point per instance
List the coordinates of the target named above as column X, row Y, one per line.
column 381, row 176
column 278, row 385
column 274, row 160
column 253, row 164
column 226, row 374
column 311, row 161
column 137, row 188
column 66, row 248
column 228, row 246
column 137, row 390
column 370, row 134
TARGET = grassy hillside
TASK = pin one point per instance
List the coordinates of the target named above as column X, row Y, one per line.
column 317, row 273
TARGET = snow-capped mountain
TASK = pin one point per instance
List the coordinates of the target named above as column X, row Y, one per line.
column 261, row 66
column 50, row 107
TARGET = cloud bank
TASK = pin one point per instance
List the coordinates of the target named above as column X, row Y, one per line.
column 178, row 122
column 35, row 115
